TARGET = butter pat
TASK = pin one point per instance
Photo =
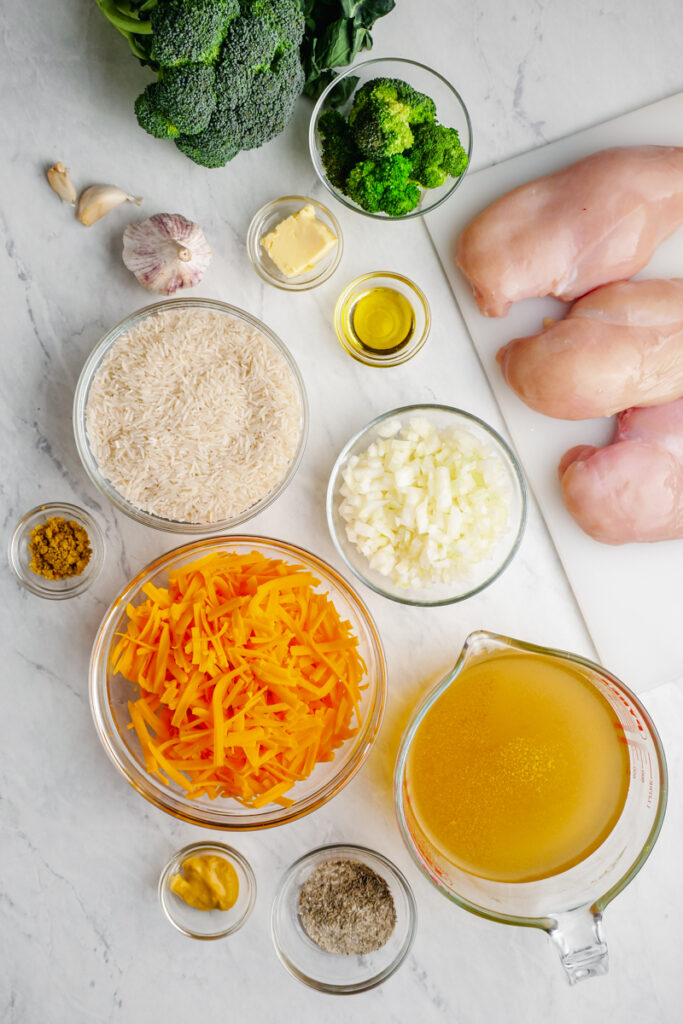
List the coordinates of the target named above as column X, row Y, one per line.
column 299, row 242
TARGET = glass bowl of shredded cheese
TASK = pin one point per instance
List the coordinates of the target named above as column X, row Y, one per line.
column 190, row 416
column 237, row 682
column 426, row 505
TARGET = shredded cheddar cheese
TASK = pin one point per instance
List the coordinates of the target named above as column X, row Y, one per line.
column 247, row 677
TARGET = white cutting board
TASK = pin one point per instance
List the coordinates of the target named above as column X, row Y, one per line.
column 631, row 596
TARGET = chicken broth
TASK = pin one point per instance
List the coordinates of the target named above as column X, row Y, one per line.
column 519, row 770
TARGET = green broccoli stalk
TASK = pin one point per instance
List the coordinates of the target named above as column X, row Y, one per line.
column 435, row 154
column 383, row 185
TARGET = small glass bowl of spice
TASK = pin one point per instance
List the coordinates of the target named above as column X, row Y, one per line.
column 207, row 890
column 343, row 919
column 56, row 550
column 382, row 319
column 294, row 243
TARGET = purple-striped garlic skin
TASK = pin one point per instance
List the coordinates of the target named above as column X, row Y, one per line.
column 167, row 252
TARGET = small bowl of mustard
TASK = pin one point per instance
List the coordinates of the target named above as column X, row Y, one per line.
column 56, row 550
column 294, row 243
column 207, row 890
column 382, row 318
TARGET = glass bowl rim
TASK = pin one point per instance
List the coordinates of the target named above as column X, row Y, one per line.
column 315, row 156
column 514, row 465
column 91, row 571
column 411, row 349
column 418, row 715
column 404, row 885
column 253, row 239
column 230, row 854
column 85, row 380
column 142, row 783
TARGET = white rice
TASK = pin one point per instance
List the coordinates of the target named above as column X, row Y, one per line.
column 193, row 415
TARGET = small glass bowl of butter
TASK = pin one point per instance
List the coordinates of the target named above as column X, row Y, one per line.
column 294, row 243
column 207, row 890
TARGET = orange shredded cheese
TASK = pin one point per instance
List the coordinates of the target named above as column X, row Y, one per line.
column 246, row 674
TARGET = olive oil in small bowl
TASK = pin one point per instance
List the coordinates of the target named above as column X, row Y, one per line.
column 382, row 319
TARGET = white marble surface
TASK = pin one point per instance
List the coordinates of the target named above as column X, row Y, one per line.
column 82, row 938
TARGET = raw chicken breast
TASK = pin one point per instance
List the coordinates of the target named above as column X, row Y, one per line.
column 620, row 346
column 597, row 221
column 631, row 490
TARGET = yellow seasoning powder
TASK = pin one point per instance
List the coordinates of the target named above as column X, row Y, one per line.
column 59, row 548
column 208, row 882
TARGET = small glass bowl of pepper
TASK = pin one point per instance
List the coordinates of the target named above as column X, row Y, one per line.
column 56, row 550
column 207, row 890
column 334, row 937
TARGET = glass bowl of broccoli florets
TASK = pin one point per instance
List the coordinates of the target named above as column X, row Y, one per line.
column 390, row 138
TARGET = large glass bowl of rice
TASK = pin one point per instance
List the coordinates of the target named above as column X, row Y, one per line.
column 190, row 415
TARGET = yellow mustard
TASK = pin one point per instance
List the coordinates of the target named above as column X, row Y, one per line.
column 208, row 882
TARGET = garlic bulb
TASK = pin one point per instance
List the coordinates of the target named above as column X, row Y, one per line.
column 99, row 200
column 166, row 252
column 60, row 182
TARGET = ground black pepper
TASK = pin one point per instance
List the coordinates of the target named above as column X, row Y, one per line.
column 346, row 907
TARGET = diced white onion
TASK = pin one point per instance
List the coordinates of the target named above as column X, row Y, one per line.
column 425, row 506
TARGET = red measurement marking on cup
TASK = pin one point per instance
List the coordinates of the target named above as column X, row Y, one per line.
column 636, row 724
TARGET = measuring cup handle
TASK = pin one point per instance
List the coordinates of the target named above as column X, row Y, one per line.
column 579, row 938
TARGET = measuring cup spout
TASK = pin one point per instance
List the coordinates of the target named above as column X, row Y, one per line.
column 579, row 938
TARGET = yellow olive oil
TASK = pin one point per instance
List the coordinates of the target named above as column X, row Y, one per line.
column 519, row 770
column 383, row 320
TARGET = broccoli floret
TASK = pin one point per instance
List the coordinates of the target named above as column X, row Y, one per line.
column 436, row 153
column 190, row 31
column 182, row 100
column 264, row 29
column 268, row 104
column 210, row 148
column 339, row 152
column 257, row 118
column 383, row 111
column 383, row 185
column 265, row 38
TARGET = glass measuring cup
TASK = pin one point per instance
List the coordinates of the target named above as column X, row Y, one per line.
column 568, row 905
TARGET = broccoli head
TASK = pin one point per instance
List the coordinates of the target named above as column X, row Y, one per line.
column 182, row 100
column 383, row 185
column 266, row 32
column 383, row 111
column 190, row 31
column 229, row 71
column 339, row 152
column 436, row 153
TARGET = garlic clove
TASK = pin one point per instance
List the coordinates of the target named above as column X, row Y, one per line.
column 60, row 182
column 166, row 252
column 98, row 200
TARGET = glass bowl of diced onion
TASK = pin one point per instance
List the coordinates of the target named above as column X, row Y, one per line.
column 112, row 692
column 426, row 504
